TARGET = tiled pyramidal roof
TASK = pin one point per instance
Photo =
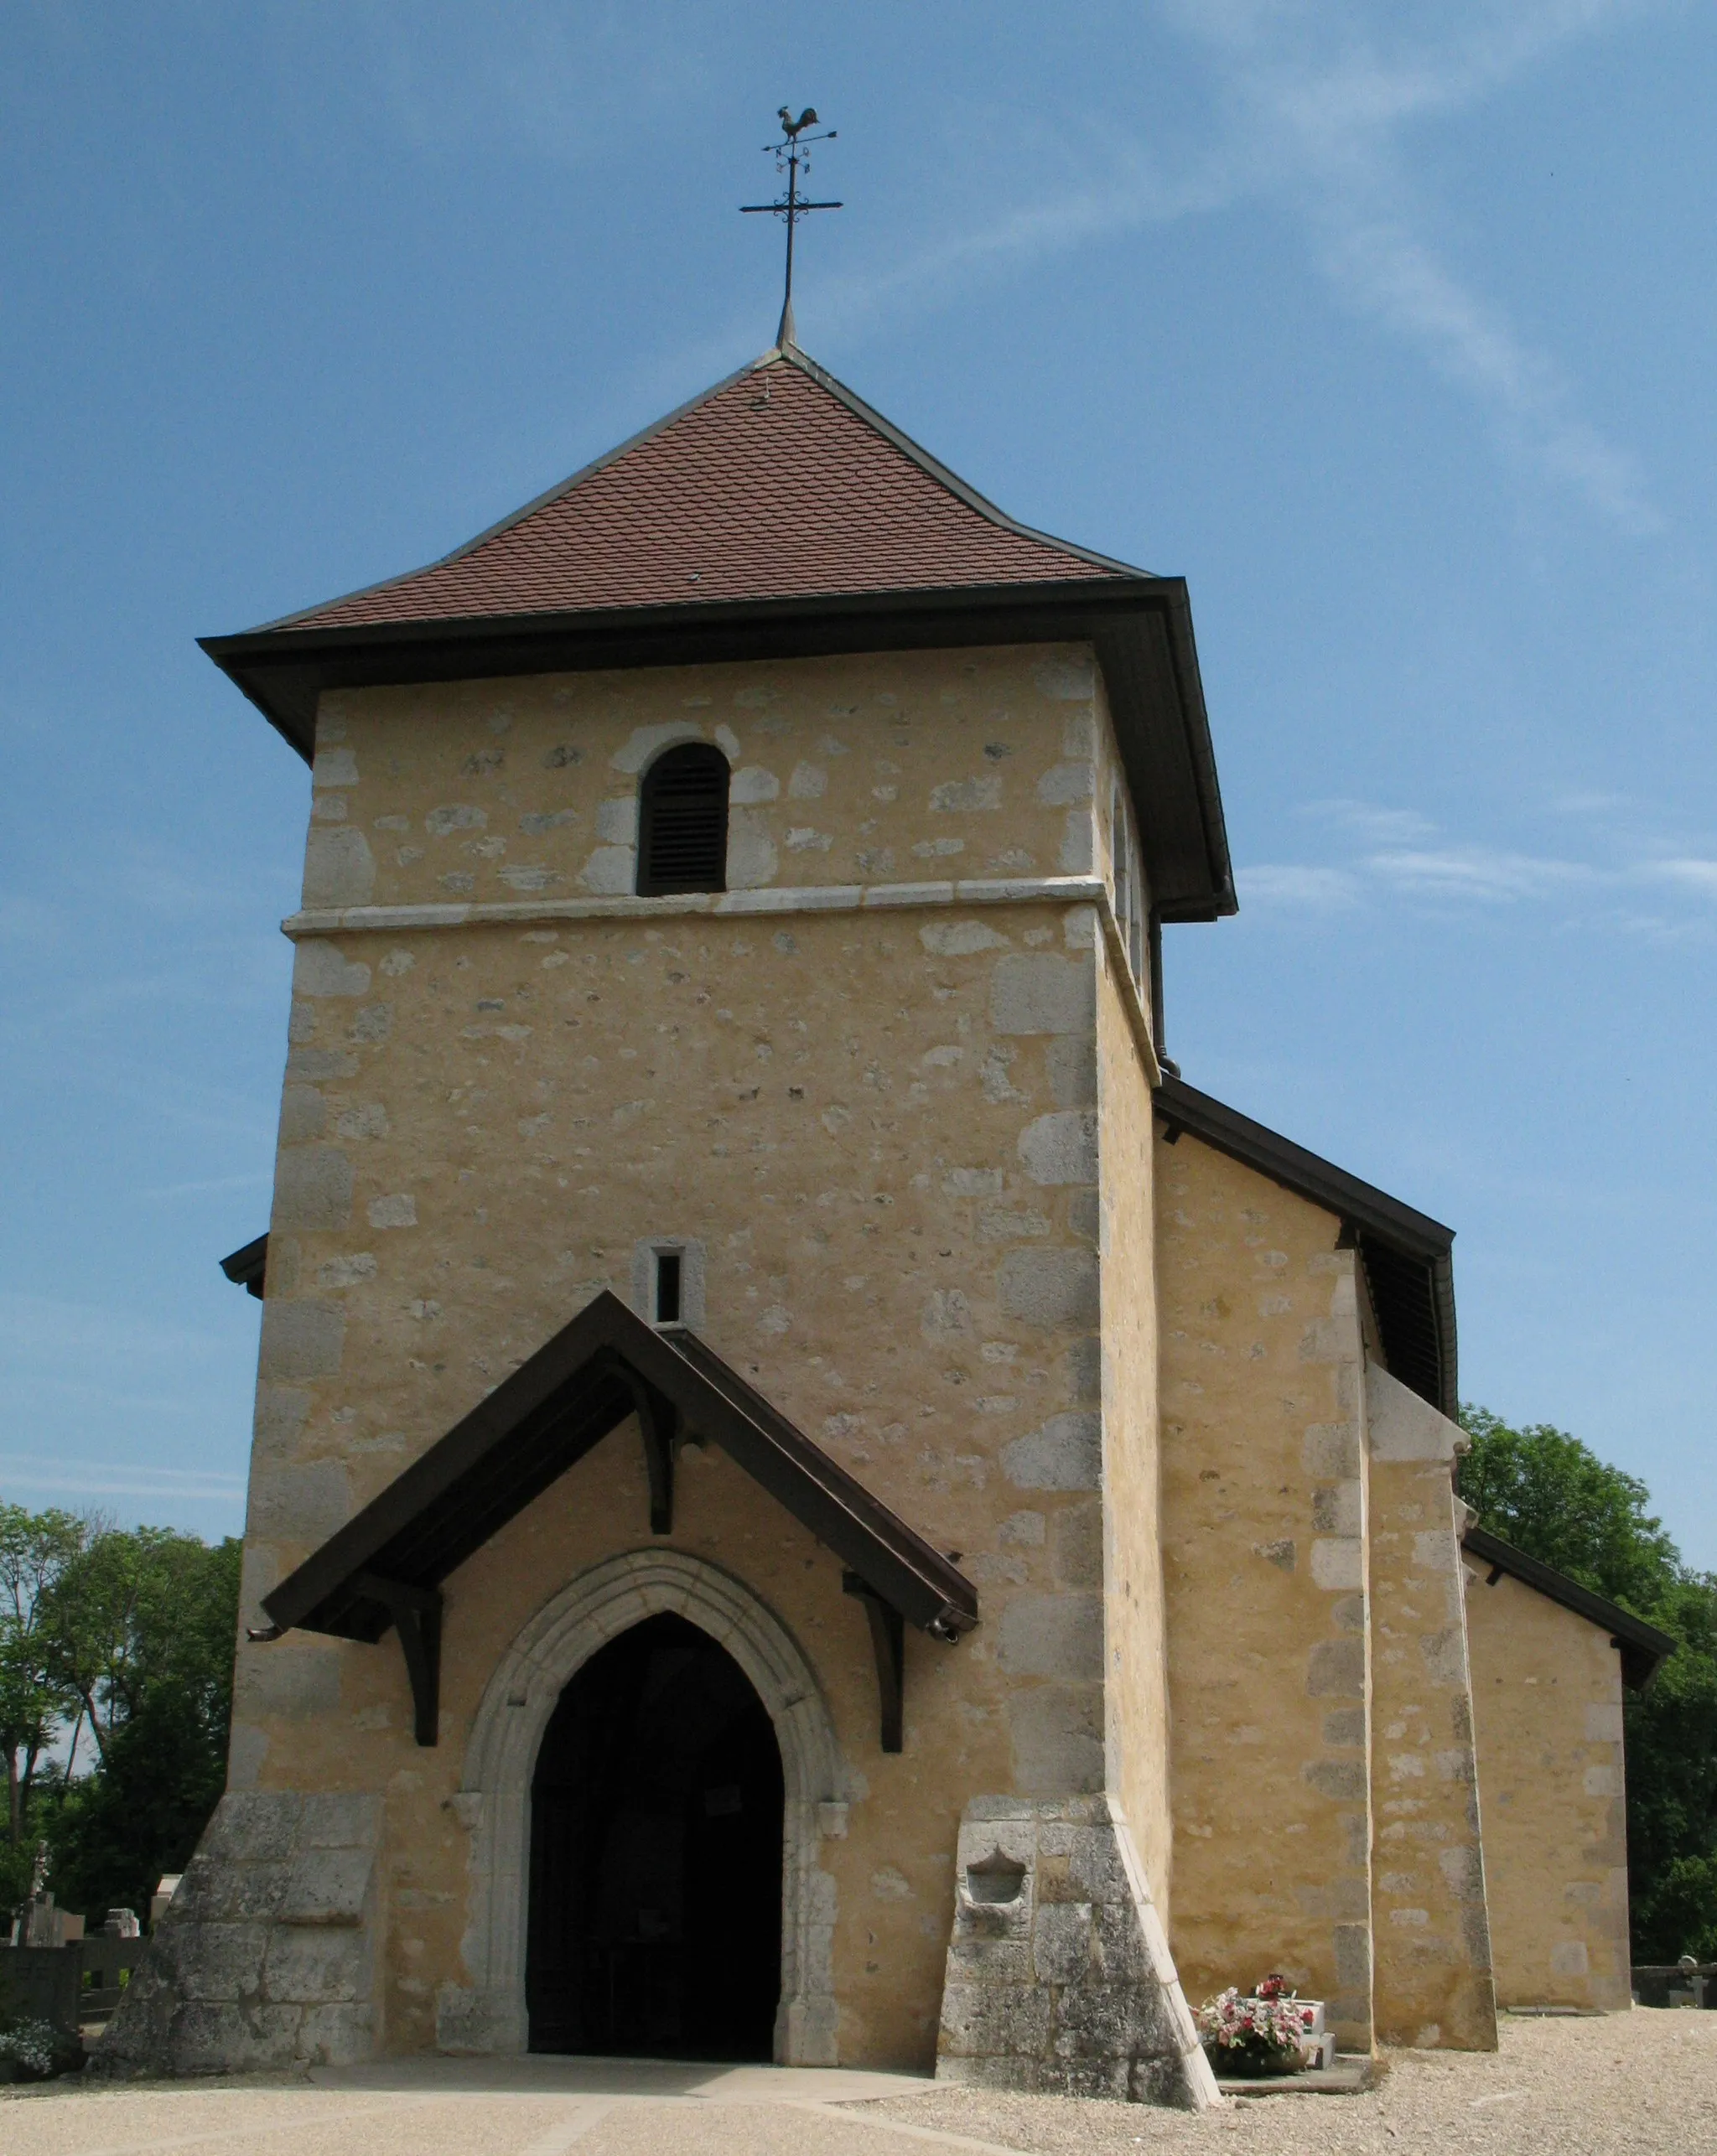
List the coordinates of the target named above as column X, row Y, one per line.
column 779, row 483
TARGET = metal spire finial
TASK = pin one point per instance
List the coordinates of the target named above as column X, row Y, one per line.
column 791, row 154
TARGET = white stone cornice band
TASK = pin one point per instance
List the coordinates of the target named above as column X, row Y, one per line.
column 788, row 899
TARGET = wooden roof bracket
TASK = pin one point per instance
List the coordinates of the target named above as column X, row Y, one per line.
column 659, row 1425
column 416, row 1612
column 888, row 1642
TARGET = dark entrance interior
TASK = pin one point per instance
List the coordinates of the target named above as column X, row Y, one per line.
column 655, row 1856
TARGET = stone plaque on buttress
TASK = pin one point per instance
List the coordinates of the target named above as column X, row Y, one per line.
column 1058, row 1978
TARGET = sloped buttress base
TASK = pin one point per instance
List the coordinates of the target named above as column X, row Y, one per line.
column 1058, row 1977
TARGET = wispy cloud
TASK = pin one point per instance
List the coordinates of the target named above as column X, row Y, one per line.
column 1694, row 875
column 38, row 1473
column 1286, row 884
column 78, row 1334
column 1399, row 854
column 1486, row 873
column 1317, row 104
column 1370, row 824
column 211, row 1183
column 1328, row 95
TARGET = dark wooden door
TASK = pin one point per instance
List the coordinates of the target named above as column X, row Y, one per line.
column 655, row 1856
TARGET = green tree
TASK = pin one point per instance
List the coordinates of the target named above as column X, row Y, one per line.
column 127, row 1635
column 143, row 1626
column 36, row 1549
column 1553, row 1497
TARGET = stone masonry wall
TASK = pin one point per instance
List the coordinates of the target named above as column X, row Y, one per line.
column 872, row 1129
column 1263, row 1556
column 1547, row 1714
column 869, row 769
column 1432, row 1946
column 1136, row 1687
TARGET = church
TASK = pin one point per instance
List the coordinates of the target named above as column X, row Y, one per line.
column 811, row 1498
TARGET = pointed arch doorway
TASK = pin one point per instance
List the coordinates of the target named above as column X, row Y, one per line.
column 656, row 1866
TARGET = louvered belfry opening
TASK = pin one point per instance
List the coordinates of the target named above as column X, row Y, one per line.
column 682, row 822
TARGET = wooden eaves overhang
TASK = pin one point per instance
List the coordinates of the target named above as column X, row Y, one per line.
column 385, row 1566
column 1406, row 1256
column 1642, row 1647
column 247, row 1266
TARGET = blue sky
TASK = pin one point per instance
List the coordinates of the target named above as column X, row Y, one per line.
column 1389, row 326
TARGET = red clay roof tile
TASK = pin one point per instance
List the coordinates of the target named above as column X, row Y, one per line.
column 779, row 483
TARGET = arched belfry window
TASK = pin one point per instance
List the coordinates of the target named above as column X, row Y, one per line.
column 682, row 822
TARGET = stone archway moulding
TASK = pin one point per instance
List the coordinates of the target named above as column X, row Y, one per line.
column 487, row 2015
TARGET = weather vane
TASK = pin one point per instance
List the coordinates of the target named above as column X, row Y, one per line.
column 792, row 155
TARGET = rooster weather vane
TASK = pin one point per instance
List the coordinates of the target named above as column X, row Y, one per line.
column 792, row 155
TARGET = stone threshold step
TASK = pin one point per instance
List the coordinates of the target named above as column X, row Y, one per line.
column 1348, row 2077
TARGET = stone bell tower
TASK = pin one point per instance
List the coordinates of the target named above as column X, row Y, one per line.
column 715, row 1177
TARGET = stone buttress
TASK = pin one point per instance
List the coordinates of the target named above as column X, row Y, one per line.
column 1059, row 1981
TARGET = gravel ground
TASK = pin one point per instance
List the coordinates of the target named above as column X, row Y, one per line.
column 1633, row 2082
column 1576, row 2087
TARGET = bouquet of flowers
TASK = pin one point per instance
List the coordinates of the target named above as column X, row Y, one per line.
column 1260, row 2035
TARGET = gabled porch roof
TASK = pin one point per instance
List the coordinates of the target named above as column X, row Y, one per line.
column 387, row 1565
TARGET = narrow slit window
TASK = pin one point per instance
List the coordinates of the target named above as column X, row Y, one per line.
column 682, row 822
column 667, row 1288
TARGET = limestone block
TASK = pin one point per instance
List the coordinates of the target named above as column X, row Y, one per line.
column 1062, row 1148
column 328, row 1887
column 252, row 1828
column 1050, row 1287
column 1123, row 1953
column 1101, row 2012
column 304, row 1114
column 1076, row 1545
column 1070, row 1062
column 752, row 859
column 1067, row 681
column 313, row 1188
column 1084, row 1364
column 463, row 2024
column 980, row 2020
column 236, row 1892
column 337, row 2035
column 301, row 1339
column 227, row 1963
column 1060, row 1635
column 960, row 938
column 208, row 2038
column 335, row 767
column 229, row 1984
column 1037, row 991
column 1057, row 1734
column 991, row 1961
column 1066, row 1453
column 310, row 1964
column 339, row 870
column 321, row 968
column 1335, row 1670
column 1064, row 784
column 1061, row 1942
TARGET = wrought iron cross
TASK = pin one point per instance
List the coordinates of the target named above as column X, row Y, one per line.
column 791, row 154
